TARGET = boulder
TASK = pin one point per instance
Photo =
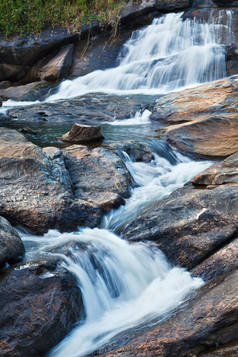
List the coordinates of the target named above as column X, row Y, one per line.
column 82, row 133
column 59, row 66
column 196, row 220
column 88, row 109
column 39, row 305
column 136, row 151
column 35, row 192
column 99, row 176
column 221, row 262
column 204, row 326
column 203, row 120
column 11, row 246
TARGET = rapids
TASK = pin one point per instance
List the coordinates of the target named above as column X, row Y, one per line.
column 125, row 284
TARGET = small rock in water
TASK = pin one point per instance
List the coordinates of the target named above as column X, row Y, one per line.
column 27, row 130
column 82, row 133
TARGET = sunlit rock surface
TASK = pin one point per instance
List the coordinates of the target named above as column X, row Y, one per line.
column 203, row 120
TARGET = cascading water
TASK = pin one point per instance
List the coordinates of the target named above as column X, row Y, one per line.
column 168, row 55
column 118, row 290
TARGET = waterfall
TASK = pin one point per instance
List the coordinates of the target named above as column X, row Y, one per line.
column 168, row 55
column 119, row 291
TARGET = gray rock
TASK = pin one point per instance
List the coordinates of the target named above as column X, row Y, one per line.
column 99, row 176
column 11, row 246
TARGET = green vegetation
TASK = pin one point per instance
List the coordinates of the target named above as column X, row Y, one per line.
column 32, row 16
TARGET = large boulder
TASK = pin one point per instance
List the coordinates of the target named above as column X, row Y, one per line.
column 39, row 305
column 203, row 120
column 11, row 246
column 195, row 221
column 99, row 176
column 36, row 193
column 204, row 326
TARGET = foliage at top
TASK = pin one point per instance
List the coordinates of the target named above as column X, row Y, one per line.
column 32, row 16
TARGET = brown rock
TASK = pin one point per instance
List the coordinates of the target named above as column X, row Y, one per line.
column 206, row 323
column 82, row 133
column 221, row 173
column 203, row 120
column 11, row 246
column 38, row 307
column 99, row 176
column 59, row 66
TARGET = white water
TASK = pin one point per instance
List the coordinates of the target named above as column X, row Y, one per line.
column 125, row 284
column 168, row 55
column 122, row 284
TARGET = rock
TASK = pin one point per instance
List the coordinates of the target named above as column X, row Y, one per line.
column 136, row 152
column 59, row 66
column 203, row 120
column 82, row 133
column 85, row 109
column 27, row 130
column 221, row 262
column 203, row 3
column 11, row 246
column 12, row 71
column 32, row 193
column 195, row 221
column 224, row 172
column 206, row 323
column 0, row 102
column 99, row 176
column 172, row 5
column 38, row 307
column 20, row 92
column 5, row 84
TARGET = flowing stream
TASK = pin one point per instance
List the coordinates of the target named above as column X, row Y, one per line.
column 126, row 284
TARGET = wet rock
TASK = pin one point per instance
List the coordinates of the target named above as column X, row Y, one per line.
column 136, row 152
column 27, row 130
column 220, row 263
column 203, row 120
column 195, row 221
column 32, row 193
column 11, row 246
column 82, row 133
column 85, row 109
column 12, row 72
column 38, row 307
column 99, row 176
column 20, row 92
column 59, row 66
column 205, row 324
column 0, row 102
